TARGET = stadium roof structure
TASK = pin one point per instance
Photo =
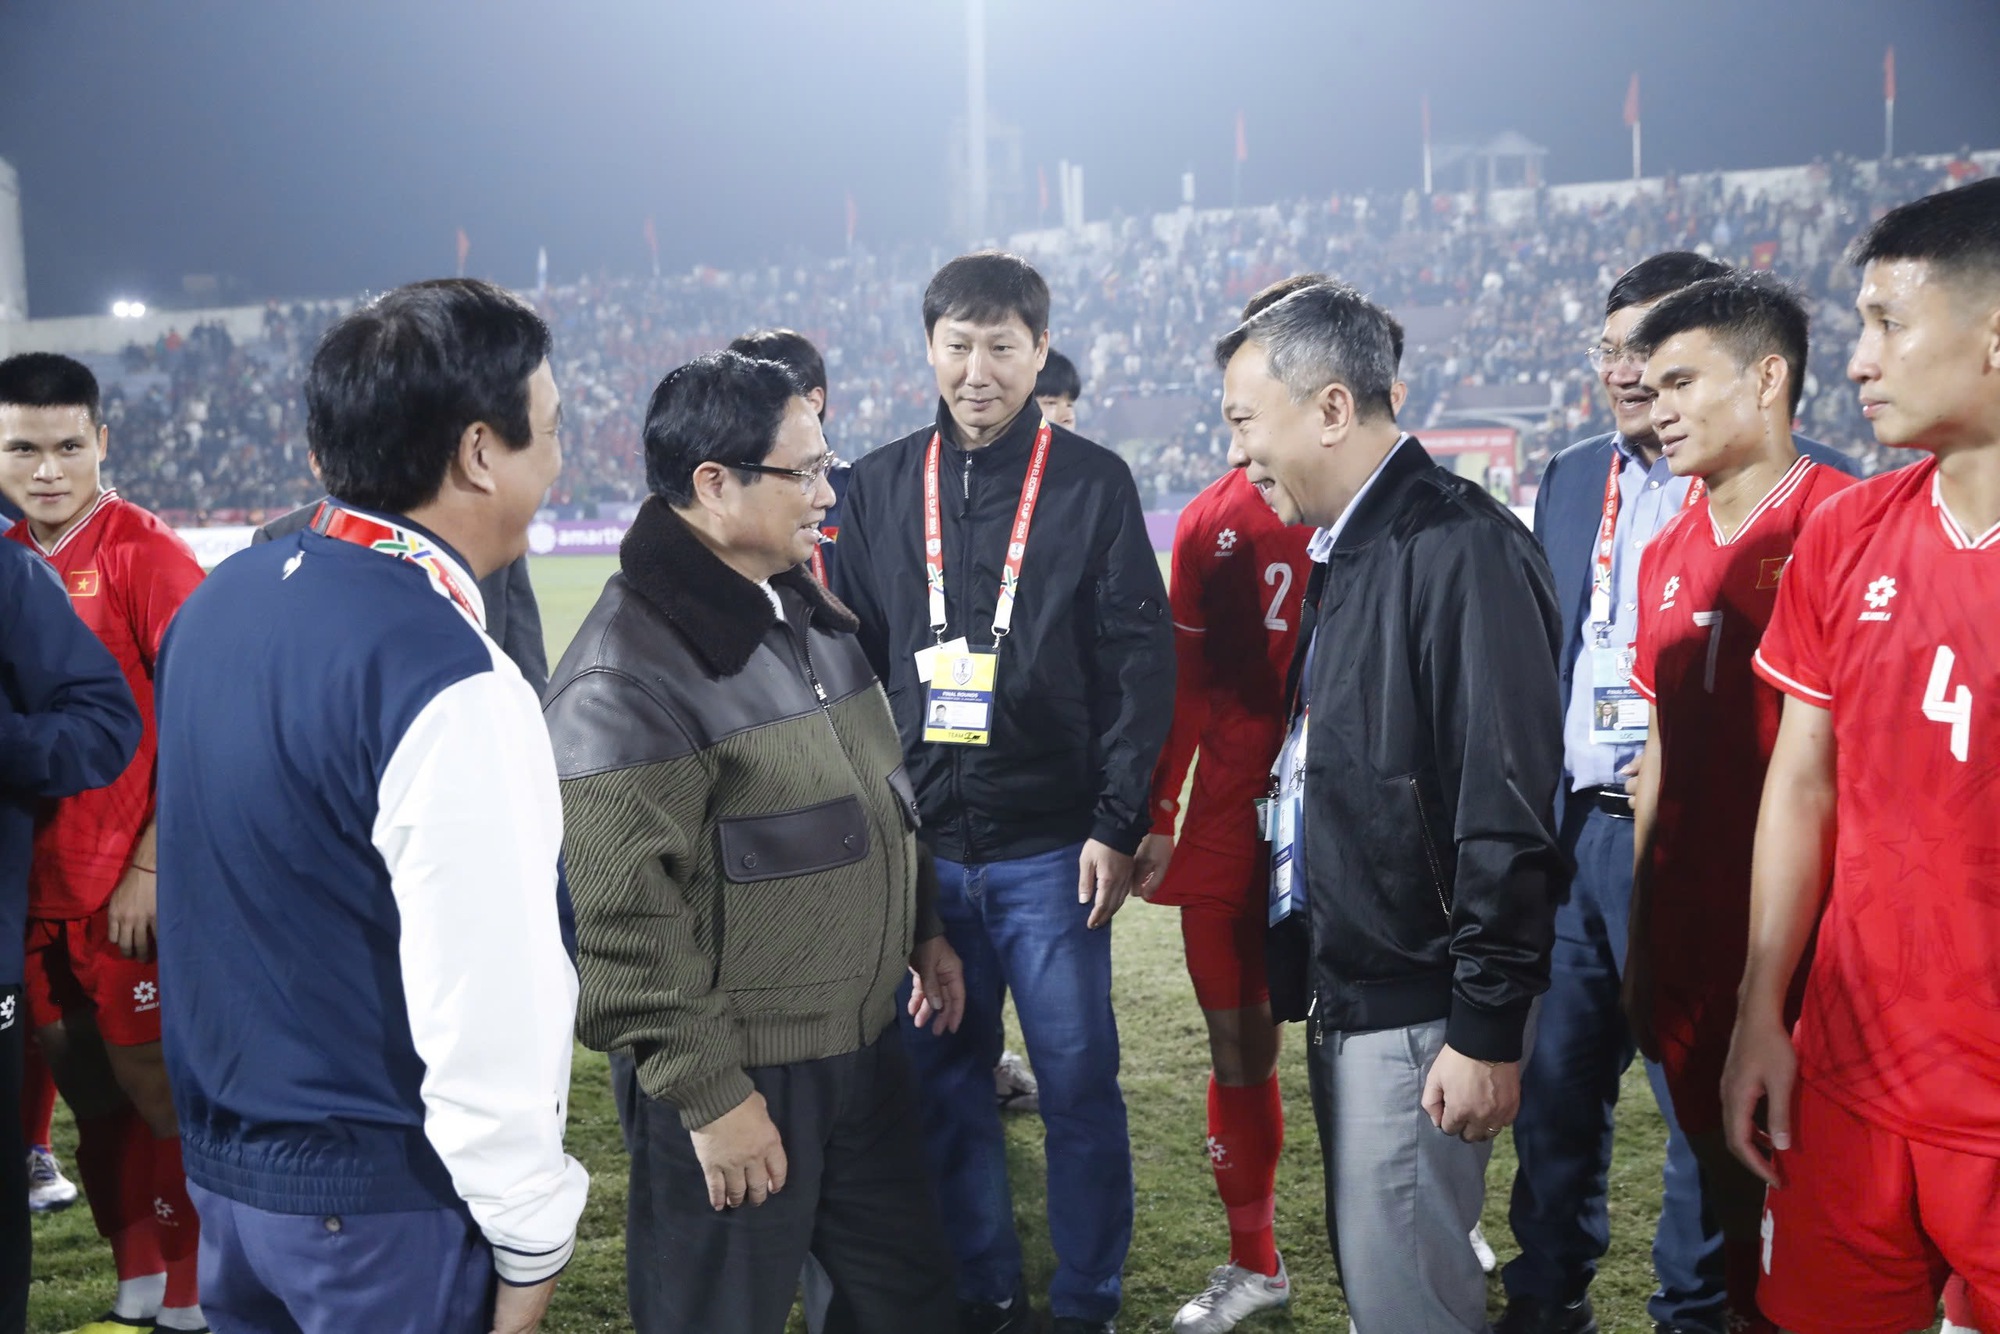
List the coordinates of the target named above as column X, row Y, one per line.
column 1508, row 158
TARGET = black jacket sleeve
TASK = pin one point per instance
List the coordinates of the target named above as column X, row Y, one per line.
column 67, row 719
column 1489, row 633
column 521, row 635
column 856, row 578
column 1132, row 670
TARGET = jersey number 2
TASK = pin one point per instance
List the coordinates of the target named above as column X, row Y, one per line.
column 1952, row 709
column 1280, row 577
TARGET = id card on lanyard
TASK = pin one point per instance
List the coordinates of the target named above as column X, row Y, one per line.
column 958, row 711
column 344, row 525
column 1617, row 711
column 1284, row 824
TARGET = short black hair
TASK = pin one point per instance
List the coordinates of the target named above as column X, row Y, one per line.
column 1752, row 314
column 722, row 408
column 394, row 385
column 788, row 348
column 1955, row 231
column 1284, row 287
column 985, row 288
column 49, row 380
column 1059, row 378
column 1321, row 334
column 1656, row 275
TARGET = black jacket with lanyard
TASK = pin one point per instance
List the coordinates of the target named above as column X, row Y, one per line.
column 1432, row 760
column 1085, row 679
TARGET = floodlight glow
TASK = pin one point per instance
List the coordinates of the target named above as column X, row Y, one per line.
column 122, row 309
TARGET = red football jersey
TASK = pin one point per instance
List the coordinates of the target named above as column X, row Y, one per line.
column 1890, row 618
column 1239, row 576
column 127, row 574
column 1703, row 605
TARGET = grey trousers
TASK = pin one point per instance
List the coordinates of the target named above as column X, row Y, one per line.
column 1401, row 1195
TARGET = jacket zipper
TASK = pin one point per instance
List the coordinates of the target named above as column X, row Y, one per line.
column 1430, row 849
column 804, row 642
column 957, row 752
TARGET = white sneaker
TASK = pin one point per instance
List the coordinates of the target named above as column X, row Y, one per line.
column 1014, row 1086
column 1232, row 1294
column 1488, row 1261
column 48, row 1189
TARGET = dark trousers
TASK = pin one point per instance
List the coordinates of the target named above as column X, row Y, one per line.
column 426, row 1271
column 16, row 1234
column 1569, row 1091
column 857, row 1198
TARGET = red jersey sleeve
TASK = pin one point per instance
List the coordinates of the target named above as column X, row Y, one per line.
column 1184, row 599
column 159, row 573
column 1645, row 643
column 1792, row 654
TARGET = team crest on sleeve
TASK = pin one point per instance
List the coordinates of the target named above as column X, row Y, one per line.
column 1225, row 542
column 84, row 584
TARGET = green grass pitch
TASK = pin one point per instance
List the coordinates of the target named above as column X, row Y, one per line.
column 1179, row 1234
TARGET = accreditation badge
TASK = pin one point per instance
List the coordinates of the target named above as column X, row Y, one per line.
column 1617, row 711
column 958, row 710
column 1285, row 826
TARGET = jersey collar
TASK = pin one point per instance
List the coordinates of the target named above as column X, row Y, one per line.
column 104, row 498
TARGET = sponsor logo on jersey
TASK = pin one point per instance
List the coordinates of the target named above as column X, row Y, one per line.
column 1880, row 593
column 1225, row 542
column 1670, row 592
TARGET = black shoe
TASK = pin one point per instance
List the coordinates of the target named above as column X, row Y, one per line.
column 1531, row 1315
column 1069, row 1324
column 1016, row 1317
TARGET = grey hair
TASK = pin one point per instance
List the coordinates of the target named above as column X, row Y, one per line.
column 1323, row 334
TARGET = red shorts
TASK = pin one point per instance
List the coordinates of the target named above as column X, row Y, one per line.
column 1223, row 910
column 74, row 968
column 1869, row 1224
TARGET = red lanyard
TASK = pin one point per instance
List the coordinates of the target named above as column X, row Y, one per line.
column 1017, row 540
column 1607, row 530
column 345, row 525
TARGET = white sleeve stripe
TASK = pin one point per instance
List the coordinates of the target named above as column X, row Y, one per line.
column 1790, row 685
column 1190, row 629
column 469, row 824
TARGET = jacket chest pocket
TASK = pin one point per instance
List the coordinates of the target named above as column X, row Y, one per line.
column 756, row 848
column 777, row 932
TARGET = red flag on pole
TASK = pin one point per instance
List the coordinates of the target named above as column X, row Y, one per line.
column 1242, row 140
column 1632, row 100
column 464, row 248
column 1889, row 75
column 853, row 217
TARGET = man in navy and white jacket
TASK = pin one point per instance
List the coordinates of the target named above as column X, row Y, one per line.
column 67, row 723
column 369, row 1006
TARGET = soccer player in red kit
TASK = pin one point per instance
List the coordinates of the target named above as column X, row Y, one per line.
column 1726, row 363
column 92, row 984
column 1880, row 824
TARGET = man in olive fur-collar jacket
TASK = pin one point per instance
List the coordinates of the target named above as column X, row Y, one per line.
column 741, row 847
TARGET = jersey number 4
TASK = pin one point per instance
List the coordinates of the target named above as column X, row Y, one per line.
column 1952, row 708
column 1278, row 576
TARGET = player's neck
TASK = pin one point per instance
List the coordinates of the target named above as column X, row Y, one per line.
column 1969, row 483
column 47, row 535
column 1734, row 491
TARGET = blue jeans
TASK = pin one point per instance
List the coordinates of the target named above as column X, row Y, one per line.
column 423, row 1272
column 1569, row 1090
column 1017, row 925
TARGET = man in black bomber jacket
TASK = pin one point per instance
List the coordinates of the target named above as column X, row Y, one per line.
column 1433, row 745
column 1034, row 831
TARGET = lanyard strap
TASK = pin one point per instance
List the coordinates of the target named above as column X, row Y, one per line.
column 1607, row 537
column 344, row 525
column 1017, row 538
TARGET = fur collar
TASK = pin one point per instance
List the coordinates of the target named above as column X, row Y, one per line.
column 723, row 616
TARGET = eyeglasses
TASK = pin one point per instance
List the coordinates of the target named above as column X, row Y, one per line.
column 1603, row 358
column 808, row 478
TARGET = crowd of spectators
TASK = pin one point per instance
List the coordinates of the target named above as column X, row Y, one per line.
column 208, row 428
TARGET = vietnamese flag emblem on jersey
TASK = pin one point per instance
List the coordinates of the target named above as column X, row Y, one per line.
column 83, row 583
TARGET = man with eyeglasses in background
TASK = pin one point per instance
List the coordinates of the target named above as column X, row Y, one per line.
column 1600, row 502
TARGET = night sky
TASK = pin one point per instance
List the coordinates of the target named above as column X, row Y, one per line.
column 322, row 149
